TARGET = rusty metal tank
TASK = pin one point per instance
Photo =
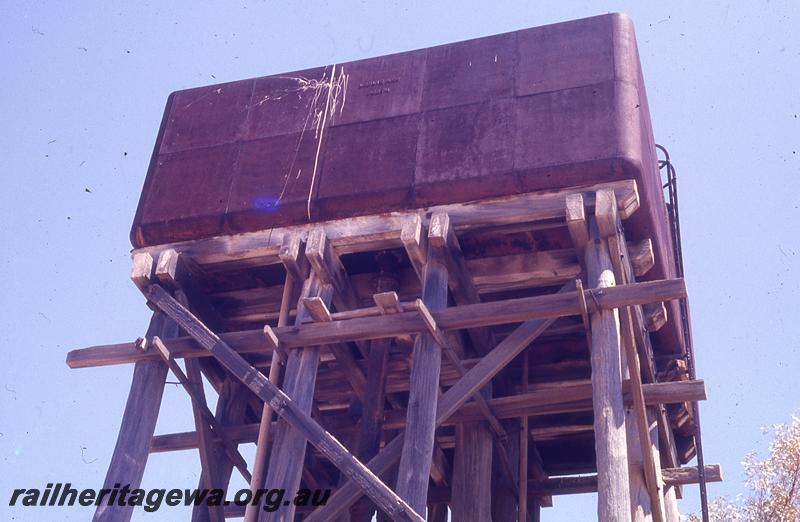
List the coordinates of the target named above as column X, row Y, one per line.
column 541, row 108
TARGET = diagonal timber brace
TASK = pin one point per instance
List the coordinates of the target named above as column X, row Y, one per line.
column 284, row 406
column 455, row 397
column 208, row 417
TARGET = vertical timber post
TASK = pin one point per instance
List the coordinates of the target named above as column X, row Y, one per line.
column 231, row 409
column 138, row 424
column 372, row 418
column 415, row 462
column 671, row 513
column 613, row 493
column 289, row 447
column 504, row 494
column 472, row 473
column 523, row 443
column 641, row 507
column 141, row 411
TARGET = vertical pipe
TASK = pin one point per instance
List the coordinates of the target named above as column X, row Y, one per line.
column 260, row 464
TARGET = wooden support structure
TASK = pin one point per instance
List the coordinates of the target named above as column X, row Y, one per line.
column 432, row 344
column 415, row 460
column 523, row 446
column 368, row 325
column 138, row 423
column 647, row 497
column 207, row 417
column 180, row 274
column 472, row 473
column 613, row 501
column 588, row 483
column 289, row 446
column 284, row 406
column 372, row 417
column 505, row 489
column 291, row 255
column 478, row 376
column 141, row 411
column 567, row 398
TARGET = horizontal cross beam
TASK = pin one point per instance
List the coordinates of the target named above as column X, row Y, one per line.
column 588, row 483
column 379, row 327
column 562, row 399
column 370, row 233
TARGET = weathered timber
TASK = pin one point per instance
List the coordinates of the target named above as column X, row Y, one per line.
column 328, row 267
column 378, row 327
column 188, row 439
column 389, row 303
column 300, row 376
column 647, row 498
column 142, row 266
column 442, row 238
column 505, row 489
column 519, row 271
column 489, row 275
column 451, row 356
column 634, row 315
column 576, row 485
column 141, row 410
column 283, row 406
column 138, row 423
column 415, row 461
column 613, row 502
column 655, row 316
column 588, row 483
column 669, row 500
column 450, row 401
column 380, row 232
column 576, row 221
column 353, row 375
column 179, row 273
column 207, row 417
column 570, row 398
column 523, row 439
column 291, row 255
column 209, row 474
column 642, row 257
column 415, row 243
column 647, row 501
column 472, row 473
column 372, row 418
column 231, row 408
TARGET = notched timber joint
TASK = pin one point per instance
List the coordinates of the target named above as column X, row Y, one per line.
column 274, row 343
column 141, row 344
column 430, row 323
column 317, row 309
column 162, row 349
column 388, row 302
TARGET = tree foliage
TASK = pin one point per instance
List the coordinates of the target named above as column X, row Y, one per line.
column 773, row 483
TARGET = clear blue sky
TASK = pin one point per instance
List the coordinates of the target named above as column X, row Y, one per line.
column 82, row 92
